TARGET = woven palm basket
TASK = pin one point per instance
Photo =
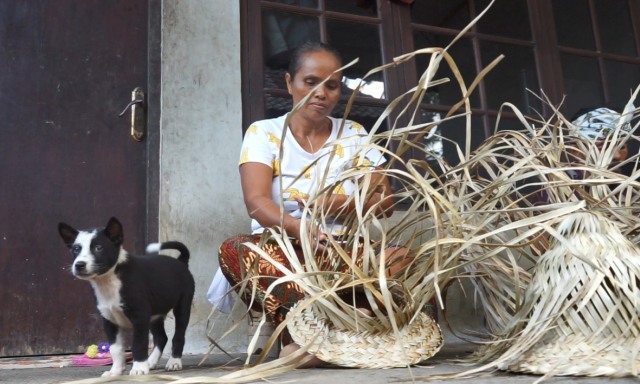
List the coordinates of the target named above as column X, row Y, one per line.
column 582, row 305
column 413, row 343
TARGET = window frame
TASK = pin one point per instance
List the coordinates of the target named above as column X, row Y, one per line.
column 396, row 36
column 253, row 90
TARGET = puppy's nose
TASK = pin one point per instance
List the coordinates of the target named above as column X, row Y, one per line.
column 80, row 266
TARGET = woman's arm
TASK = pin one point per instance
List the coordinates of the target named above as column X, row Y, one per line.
column 256, row 180
column 380, row 196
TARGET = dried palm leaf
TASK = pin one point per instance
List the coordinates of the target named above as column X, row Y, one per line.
column 580, row 308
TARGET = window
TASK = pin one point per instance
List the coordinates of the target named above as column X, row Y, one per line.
column 586, row 50
column 435, row 23
column 355, row 28
column 598, row 51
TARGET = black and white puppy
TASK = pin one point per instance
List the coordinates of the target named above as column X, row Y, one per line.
column 134, row 292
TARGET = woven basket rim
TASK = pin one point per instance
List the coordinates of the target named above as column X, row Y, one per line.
column 415, row 342
column 553, row 358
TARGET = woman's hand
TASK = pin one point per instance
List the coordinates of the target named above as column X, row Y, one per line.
column 329, row 204
column 316, row 236
column 336, row 204
column 314, row 233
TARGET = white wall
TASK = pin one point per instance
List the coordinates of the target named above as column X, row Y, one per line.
column 201, row 133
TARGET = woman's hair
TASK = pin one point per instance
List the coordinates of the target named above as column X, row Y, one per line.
column 309, row 47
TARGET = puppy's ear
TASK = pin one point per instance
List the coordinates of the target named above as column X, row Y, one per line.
column 113, row 230
column 68, row 233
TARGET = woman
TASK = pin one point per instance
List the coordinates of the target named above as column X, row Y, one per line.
column 597, row 124
column 268, row 182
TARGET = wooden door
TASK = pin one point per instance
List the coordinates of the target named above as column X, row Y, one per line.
column 67, row 69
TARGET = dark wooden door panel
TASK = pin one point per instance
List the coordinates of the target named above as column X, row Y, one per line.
column 67, row 68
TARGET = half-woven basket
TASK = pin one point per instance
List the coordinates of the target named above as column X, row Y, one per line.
column 415, row 342
column 582, row 306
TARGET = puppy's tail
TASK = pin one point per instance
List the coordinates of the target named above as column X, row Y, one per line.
column 175, row 245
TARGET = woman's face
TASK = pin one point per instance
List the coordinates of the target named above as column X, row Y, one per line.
column 316, row 66
column 619, row 155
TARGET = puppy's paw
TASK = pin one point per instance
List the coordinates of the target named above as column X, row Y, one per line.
column 112, row 372
column 139, row 368
column 174, row 364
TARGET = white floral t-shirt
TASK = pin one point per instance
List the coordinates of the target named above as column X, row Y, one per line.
column 262, row 143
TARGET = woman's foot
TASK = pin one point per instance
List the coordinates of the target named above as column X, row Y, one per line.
column 291, row 348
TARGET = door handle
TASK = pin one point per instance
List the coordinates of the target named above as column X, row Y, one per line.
column 138, row 107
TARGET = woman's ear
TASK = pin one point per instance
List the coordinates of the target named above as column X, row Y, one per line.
column 288, row 79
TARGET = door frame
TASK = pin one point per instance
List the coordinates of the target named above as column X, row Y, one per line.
column 154, row 88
